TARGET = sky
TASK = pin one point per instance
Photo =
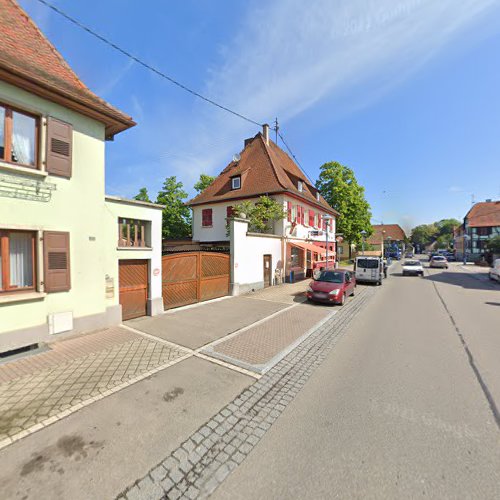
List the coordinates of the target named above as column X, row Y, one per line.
column 404, row 92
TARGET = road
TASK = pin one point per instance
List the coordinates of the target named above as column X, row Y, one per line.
column 405, row 406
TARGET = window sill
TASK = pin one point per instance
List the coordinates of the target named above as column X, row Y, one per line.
column 135, row 249
column 207, row 227
column 21, row 297
column 9, row 167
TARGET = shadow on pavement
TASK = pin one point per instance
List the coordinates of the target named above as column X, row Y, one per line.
column 469, row 280
column 493, row 303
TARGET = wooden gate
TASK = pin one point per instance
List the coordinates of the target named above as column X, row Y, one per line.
column 193, row 277
column 133, row 283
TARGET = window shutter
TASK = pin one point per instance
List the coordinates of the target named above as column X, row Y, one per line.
column 57, row 276
column 289, row 211
column 206, row 217
column 59, row 148
column 311, row 218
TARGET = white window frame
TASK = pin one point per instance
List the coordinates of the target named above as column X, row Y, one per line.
column 233, row 182
column 300, row 186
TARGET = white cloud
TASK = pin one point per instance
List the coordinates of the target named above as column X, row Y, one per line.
column 292, row 55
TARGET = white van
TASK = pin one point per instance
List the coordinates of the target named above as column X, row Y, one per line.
column 495, row 270
column 369, row 269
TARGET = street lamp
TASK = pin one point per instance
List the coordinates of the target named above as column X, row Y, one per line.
column 327, row 218
column 388, row 243
column 466, row 237
column 363, row 234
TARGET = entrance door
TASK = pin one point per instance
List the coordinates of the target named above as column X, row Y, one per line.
column 133, row 284
column 267, row 270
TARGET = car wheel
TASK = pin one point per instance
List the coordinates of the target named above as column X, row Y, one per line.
column 342, row 300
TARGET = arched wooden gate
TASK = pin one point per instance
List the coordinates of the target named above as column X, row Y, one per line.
column 193, row 277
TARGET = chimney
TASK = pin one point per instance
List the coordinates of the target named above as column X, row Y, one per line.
column 265, row 133
column 488, row 200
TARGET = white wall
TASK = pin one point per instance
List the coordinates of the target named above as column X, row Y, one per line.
column 130, row 210
column 247, row 257
column 218, row 230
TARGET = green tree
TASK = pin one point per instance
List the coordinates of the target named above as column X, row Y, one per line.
column 176, row 215
column 338, row 185
column 142, row 195
column 261, row 215
column 424, row 234
column 204, row 182
column 494, row 245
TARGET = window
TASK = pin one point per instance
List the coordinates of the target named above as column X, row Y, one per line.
column 289, row 211
column 18, row 137
column 236, row 182
column 229, row 212
column 317, row 195
column 294, row 213
column 296, row 257
column 300, row 186
column 483, row 231
column 206, row 217
column 340, row 250
column 17, row 260
column 131, row 233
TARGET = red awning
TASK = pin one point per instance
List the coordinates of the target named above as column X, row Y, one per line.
column 309, row 246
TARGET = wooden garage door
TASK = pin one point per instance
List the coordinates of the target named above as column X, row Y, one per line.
column 133, row 282
column 193, row 277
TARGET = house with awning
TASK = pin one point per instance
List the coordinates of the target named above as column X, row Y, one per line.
column 299, row 241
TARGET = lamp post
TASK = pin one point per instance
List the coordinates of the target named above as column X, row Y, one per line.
column 466, row 237
column 388, row 243
column 327, row 218
column 363, row 235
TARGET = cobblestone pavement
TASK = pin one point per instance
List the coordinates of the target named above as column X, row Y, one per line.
column 257, row 347
column 205, row 459
column 74, row 373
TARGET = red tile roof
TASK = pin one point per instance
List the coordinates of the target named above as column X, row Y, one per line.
column 264, row 169
column 484, row 214
column 393, row 231
column 28, row 60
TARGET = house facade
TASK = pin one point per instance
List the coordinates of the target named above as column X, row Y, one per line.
column 481, row 223
column 262, row 168
column 387, row 239
column 63, row 244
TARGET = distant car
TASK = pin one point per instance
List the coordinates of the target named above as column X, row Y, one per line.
column 409, row 255
column 331, row 286
column 439, row 261
column 432, row 254
column 412, row 268
column 450, row 257
column 494, row 273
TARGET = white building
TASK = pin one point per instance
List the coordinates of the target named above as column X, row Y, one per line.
column 297, row 244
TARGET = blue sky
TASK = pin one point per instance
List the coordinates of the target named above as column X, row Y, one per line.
column 404, row 92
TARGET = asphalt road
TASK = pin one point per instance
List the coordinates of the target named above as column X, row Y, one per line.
column 405, row 406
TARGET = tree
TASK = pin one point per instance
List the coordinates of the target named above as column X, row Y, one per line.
column 176, row 215
column 261, row 215
column 338, row 185
column 494, row 245
column 142, row 195
column 204, row 182
column 424, row 234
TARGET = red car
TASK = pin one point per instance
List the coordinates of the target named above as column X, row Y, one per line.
column 332, row 286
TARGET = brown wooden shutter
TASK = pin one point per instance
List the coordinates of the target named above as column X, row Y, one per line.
column 57, row 276
column 59, row 147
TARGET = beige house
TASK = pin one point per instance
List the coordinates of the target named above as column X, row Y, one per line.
column 71, row 259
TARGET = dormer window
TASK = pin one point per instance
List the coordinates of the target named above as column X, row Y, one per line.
column 236, row 182
column 300, row 186
column 317, row 195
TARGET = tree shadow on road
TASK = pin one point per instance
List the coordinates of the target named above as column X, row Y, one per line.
column 470, row 281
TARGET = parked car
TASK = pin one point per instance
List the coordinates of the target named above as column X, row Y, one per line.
column 369, row 269
column 439, row 261
column 450, row 257
column 409, row 255
column 331, row 286
column 412, row 268
column 495, row 270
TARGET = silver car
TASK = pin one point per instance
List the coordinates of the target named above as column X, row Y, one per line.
column 439, row 261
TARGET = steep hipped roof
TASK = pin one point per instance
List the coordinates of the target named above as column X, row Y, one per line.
column 385, row 231
column 264, row 169
column 28, row 60
column 484, row 214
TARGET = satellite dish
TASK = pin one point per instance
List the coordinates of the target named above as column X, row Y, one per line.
column 236, row 157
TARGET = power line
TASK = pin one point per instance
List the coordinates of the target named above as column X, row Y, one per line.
column 293, row 156
column 144, row 64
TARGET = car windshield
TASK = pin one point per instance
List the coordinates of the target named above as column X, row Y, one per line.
column 438, row 258
column 412, row 263
column 331, row 277
column 368, row 263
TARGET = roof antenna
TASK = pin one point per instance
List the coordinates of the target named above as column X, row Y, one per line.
column 276, row 128
column 473, row 199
